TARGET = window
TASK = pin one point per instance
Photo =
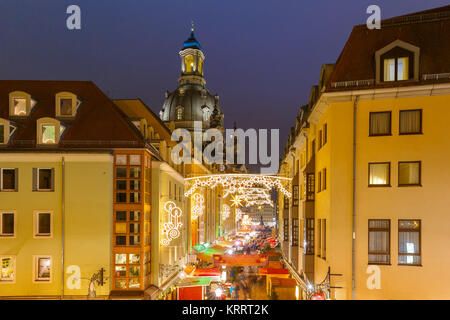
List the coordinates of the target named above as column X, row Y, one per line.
column 319, row 236
column 409, row 242
column 295, row 195
column 286, row 230
column 128, row 228
column 43, row 179
column 409, row 173
column 379, row 241
column 206, row 113
column 43, row 222
column 49, row 131
column 319, row 181
column 320, row 140
column 20, row 104
column 325, row 134
column 189, row 63
column 310, row 186
column 396, row 69
column 2, row 134
column 295, row 232
column 380, row 123
column 66, row 104
column 410, row 122
column 8, row 179
column 7, row 224
column 309, row 240
column 180, row 111
column 42, row 268
column 380, row 174
column 127, row 271
column 7, row 269
column 324, row 179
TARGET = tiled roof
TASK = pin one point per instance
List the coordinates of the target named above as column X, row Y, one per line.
column 98, row 124
column 429, row 30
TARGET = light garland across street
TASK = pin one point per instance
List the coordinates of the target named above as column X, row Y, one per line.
column 198, row 207
column 242, row 186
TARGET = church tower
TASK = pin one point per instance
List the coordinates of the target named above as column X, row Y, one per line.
column 191, row 101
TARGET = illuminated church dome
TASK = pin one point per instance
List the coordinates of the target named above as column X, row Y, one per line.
column 191, row 101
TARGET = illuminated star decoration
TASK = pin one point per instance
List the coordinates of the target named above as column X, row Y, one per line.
column 236, row 201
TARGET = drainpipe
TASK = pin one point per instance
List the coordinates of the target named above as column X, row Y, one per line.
column 355, row 105
column 63, row 208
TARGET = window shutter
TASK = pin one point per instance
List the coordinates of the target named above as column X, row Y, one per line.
column 35, row 179
column 52, row 181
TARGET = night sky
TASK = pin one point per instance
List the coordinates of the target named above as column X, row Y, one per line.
column 262, row 56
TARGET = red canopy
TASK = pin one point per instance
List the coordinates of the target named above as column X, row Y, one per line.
column 211, row 272
column 272, row 271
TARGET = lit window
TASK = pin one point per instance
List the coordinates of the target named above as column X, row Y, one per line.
column 8, row 269
column 7, row 224
column 200, row 66
column 43, row 268
column 20, row 104
column 48, row 134
column 379, row 174
column 180, row 113
column 410, row 122
column 49, row 131
column 189, row 63
column 8, row 179
column 396, row 69
column 43, row 224
column 409, row 233
column 379, row 245
column 409, row 173
column 380, row 123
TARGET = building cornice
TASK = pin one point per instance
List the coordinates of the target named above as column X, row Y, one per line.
column 327, row 98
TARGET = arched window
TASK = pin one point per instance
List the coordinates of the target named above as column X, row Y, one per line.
column 189, row 62
column 180, row 111
column 20, row 104
column 49, row 131
column 200, row 65
column 206, row 113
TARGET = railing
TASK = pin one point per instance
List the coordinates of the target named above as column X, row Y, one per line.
column 415, row 18
column 352, row 83
column 436, row 76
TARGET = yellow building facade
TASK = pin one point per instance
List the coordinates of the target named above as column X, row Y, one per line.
column 375, row 142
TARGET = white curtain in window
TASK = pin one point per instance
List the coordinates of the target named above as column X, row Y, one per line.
column 403, row 68
column 410, row 121
column 389, row 69
column 380, row 123
column 409, row 173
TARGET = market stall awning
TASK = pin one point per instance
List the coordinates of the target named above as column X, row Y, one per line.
column 211, row 272
column 272, row 271
column 281, row 282
column 240, row 260
column 193, row 282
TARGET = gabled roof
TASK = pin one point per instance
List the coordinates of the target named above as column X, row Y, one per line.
column 98, row 124
column 136, row 109
column 429, row 30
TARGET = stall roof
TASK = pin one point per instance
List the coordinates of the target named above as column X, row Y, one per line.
column 194, row 282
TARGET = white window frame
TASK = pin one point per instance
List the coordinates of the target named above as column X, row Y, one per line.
column 37, row 179
column 1, row 180
column 36, row 234
column 36, row 278
column 5, row 236
column 15, row 270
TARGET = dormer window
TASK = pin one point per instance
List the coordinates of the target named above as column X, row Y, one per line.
column 66, row 104
column 6, row 131
column 20, row 104
column 49, row 131
column 398, row 61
